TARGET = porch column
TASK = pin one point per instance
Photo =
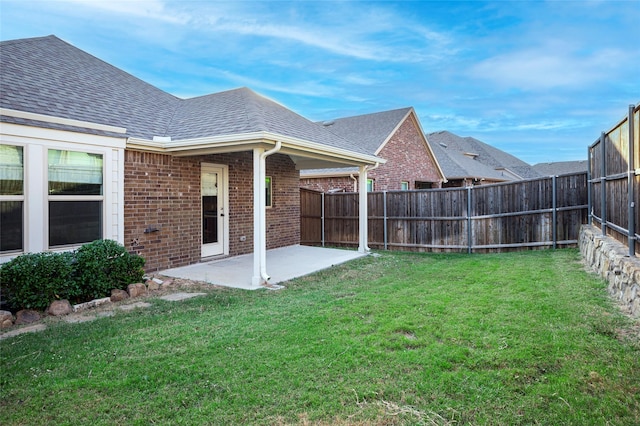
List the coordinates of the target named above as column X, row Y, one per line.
column 363, row 215
column 258, row 216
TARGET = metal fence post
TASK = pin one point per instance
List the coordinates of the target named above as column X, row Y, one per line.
column 322, row 217
column 631, row 193
column 589, row 189
column 603, row 184
column 469, row 224
column 384, row 209
column 555, row 211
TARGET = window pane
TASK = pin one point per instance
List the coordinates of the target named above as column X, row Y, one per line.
column 11, row 225
column 11, row 170
column 74, row 173
column 268, row 191
column 74, row 222
column 369, row 185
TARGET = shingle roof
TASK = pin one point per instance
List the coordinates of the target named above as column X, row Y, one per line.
column 48, row 76
column 456, row 165
column 561, row 167
column 369, row 131
column 485, row 154
column 244, row 111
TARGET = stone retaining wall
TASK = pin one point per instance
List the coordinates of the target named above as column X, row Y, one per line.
column 610, row 259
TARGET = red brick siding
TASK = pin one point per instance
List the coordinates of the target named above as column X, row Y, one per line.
column 408, row 160
column 345, row 183
column 283, row 218
column 164, row 192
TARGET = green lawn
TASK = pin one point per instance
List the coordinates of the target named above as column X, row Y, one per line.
column 519, row 338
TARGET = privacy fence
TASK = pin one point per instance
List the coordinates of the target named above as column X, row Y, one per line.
column 614, row 180
column 521, row 215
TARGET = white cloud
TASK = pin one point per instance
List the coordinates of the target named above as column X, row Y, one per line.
column 549, row 66
column 142, row 9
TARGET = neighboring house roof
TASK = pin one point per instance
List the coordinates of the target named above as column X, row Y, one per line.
column 48, row 76
column 370, row 132
column 456, row 165
column 561, row 167
column 482, row 153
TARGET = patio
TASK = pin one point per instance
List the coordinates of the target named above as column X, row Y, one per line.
column 283, row 264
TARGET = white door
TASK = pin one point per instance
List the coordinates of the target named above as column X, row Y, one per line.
column 213, row 184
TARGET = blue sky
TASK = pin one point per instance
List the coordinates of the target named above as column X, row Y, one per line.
column 538, row 79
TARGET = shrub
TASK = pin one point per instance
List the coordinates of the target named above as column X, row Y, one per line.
column 34, row 280
column 103, row 265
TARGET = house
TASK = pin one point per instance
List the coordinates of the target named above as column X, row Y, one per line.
column 397, row 137
column 89, row 151
column 467, row 161
column 561, row 167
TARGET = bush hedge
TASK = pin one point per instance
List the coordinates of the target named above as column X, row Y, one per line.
column 34, row 280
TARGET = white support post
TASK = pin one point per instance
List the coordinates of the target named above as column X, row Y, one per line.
column 363, row 215
column 258, row 215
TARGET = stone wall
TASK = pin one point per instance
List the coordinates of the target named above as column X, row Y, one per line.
column 610, row 259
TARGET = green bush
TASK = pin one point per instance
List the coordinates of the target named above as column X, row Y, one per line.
column 103, row 265
column 34, row 280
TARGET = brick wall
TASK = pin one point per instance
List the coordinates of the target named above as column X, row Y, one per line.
column 344, row 183
column 163, row 192
column 408, row 160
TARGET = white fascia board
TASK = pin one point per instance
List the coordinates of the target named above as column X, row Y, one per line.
column 20, row 133
column 226, row 143
column 59, row 120
column 328, row 174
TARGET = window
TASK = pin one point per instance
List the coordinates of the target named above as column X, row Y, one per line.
column 75, row 197
column 11, row 198
column 424, row 185
column 369, row 185
column 267, row 186
column 404, row 186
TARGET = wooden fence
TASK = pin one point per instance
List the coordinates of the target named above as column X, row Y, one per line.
column 533, row 213
column 614, row 180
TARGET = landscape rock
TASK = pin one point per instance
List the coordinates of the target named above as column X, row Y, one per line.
column 609, row 258
column 137, row 289
column 117, row 295
column 91, row 304
column 27, row 316
column 6, row 324
column 152, row 285
column 6, row 315
column 59, row 308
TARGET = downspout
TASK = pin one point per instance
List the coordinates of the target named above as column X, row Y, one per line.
column 355, row 182
column 263, row 216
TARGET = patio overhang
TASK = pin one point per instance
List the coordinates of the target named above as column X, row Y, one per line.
column 305, row 154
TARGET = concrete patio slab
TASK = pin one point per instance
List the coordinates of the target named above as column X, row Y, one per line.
column 283, row 264
column 28, row 329
column 176, row 297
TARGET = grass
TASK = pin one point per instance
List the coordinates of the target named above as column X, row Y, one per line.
column 518, row 338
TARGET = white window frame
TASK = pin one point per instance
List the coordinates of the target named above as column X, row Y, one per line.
column 62, row 198
column 404, row 185
column 36, row 142
column 18, row 198
column 370, row 185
